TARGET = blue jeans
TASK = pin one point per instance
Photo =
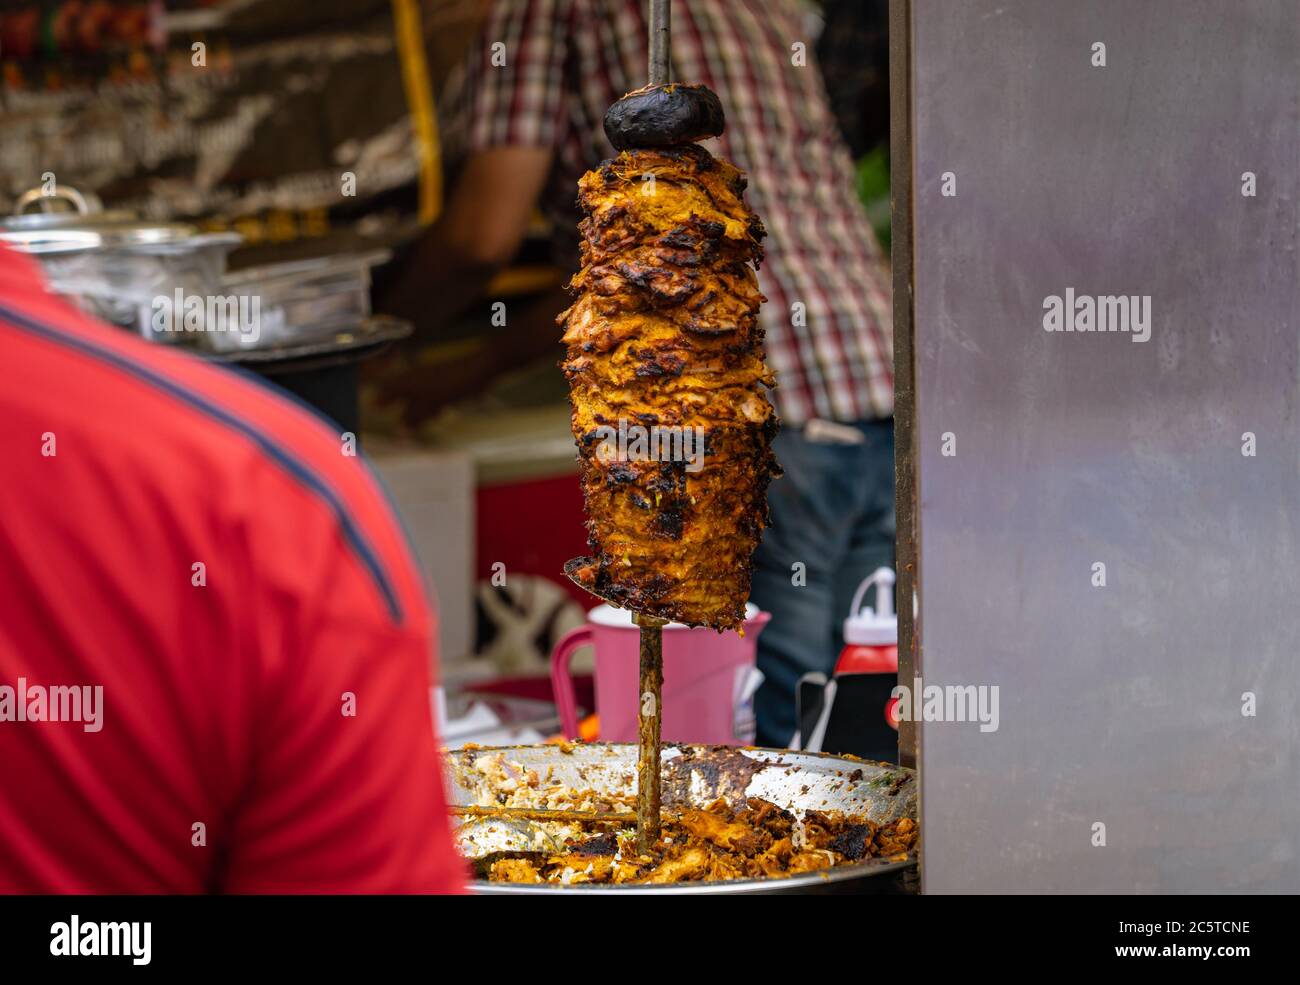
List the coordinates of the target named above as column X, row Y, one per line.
column 834, row 512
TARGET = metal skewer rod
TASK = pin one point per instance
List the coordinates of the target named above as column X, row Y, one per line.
column 648, row 731
column 652, row 628
column 558, row 814
column 660, row 44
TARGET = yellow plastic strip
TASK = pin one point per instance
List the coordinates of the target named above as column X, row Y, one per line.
column 514, row 281
column 407, row 24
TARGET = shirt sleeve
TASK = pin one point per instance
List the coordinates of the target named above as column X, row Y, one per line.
column 513, row 91
column 344, row 791
column 349, row 795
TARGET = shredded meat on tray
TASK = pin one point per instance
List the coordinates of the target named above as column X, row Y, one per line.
column 755, row 840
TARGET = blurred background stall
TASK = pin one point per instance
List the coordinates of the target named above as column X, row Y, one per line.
column 329, row 136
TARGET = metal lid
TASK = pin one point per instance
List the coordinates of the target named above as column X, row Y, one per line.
column 80, row 224
column 72, row 238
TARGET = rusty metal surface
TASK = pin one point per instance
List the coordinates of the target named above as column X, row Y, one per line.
column 696, row 776
column 651, row 647
column 900, row 168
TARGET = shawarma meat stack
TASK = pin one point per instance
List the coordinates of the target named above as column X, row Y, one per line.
column 665, row 364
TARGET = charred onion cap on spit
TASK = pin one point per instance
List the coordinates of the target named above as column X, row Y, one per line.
column 664, row 116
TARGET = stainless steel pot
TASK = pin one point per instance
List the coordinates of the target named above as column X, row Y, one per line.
column 696, row 776
column 121, row 269
column 302, row 302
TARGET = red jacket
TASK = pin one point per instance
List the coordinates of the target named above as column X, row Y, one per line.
column 204, row 552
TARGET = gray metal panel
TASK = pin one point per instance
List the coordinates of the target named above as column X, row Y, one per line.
column 1121, row 704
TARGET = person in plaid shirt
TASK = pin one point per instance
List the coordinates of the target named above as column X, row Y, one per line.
column 524, row 115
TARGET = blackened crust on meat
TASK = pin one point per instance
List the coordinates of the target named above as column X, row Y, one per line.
column 854, row 841
column 603, row 844
column 664, row 333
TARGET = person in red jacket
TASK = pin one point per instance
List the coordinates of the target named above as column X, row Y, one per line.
column 214, row 642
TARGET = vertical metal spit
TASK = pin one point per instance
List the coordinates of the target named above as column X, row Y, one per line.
column 648, row 730
column 652, row 628
column 660, row 42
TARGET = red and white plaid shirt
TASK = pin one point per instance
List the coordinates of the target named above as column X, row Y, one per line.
column 566, row 61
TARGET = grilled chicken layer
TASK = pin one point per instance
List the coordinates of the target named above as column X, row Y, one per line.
column 663, row 343
column 752, row 840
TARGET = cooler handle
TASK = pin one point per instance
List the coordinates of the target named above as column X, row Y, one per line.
column 566, row 701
